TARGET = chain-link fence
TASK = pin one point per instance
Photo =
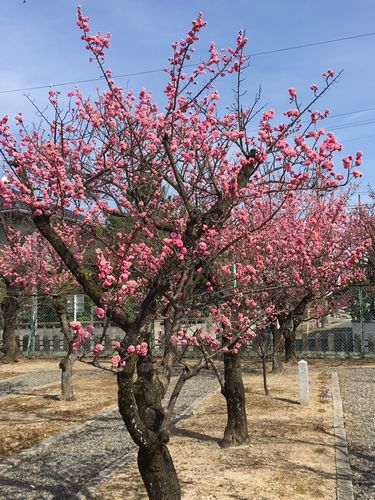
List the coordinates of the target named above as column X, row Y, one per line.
column 39, row 331
column 349, row 331
column 346, row 332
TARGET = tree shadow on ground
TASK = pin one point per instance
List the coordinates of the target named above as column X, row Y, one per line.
column 286, row 400
column 177, row 431
column 362, row 463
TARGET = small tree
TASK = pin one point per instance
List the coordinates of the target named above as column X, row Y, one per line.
column 31, row 267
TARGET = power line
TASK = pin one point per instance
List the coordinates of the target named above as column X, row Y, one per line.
column 314, row 44
column 350, row 125
column 137, row 73
column 351, row 112
column 360, row 138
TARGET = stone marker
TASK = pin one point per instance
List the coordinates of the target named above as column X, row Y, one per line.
column 303, row 377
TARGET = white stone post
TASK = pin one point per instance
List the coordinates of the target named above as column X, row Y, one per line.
column 303, row 377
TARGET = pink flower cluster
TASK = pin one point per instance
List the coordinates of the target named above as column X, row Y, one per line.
column 95, row 43
column 81, row 334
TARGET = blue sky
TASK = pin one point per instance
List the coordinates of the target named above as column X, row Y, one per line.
column 41, row 46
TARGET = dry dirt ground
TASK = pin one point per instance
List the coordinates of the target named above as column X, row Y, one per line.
column 28, row 419
column 290, row 455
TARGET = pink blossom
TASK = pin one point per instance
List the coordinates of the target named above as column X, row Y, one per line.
column 97, row 349
column 115, row 360
column 142, row 349
column 99, row 312
column 75, row 325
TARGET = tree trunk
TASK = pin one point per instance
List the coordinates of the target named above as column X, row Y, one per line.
column 264, row 371
column 10, row 308
column 290, row 341
column 294, row 320
column 66, row 366
column 140, row 405
column 234, row 392
column 277, row 349
column 158, row 473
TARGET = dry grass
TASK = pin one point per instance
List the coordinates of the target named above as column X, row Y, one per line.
column 290, row 456
column 9, row 370
column 28, row 419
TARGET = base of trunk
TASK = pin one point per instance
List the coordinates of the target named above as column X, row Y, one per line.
column 277, row 366
column 158, row 473
column 66, row 366
column 236, row 432
column 12, row 358
column 67, row 397
column 292, row 360
column 234, row 438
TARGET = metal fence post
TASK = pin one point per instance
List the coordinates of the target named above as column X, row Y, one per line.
column 33, row 326
column 362, row 333
column 75, row 307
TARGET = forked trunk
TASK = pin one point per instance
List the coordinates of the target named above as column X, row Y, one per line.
column 66, row 366
column 277, row 349
column 236, row 431
column 140, row 405
column 10, row 308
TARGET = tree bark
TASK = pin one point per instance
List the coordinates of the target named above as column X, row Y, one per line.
column 295, row 318
column 10, row 308
column 277, row 349
column 290, row 341
column 140, row 405
column 264, row 372
column 158, row 473
column 66, row 367
column 236, row 431
column 66, row 364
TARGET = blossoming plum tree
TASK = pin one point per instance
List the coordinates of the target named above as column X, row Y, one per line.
column 181, row 177
column 314, row 253
column 309, row 251
column 32, row 267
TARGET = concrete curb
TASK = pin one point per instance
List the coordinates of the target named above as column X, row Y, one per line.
column 87, row 492
column 344, row 485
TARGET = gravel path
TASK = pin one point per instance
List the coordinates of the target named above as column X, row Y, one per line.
column 22, row 384
column 71, row 459
column 357, row 386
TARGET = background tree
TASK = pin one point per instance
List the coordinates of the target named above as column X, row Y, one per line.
column 32, row 268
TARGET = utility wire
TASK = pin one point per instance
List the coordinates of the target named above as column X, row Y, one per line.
column 359, row 138
column 313, row 44
column 137, row 73
column 355, row 124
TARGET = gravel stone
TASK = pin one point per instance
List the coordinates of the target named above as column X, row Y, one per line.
column 357, row 386
column 72, row 459
column 22, row 384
